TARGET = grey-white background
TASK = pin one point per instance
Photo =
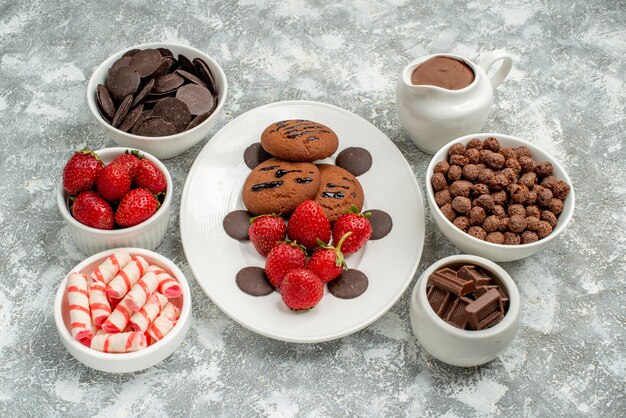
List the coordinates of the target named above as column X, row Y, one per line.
column 565, row 94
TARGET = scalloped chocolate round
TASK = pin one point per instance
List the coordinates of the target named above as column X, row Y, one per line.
column 356, row 160
column 350, row 284
column 381, row 223
column 236, row 224
column 254, row 155
column 254, row 281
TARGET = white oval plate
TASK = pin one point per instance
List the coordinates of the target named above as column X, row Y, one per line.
column 213, row 189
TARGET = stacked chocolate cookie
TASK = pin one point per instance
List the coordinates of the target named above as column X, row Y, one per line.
column 284, row 174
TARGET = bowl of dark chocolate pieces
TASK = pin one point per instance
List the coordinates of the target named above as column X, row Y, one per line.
column 162, row 98
column 465, row 310
column 498, row 196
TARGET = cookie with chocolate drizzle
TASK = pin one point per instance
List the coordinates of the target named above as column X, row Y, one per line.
column 277, row 186
column 339, row 190
column 299, row 140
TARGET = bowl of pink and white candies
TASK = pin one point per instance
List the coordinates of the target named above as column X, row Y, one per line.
column 123, row 310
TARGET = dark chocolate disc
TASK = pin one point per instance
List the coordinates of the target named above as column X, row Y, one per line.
column 122, row 82
column 255, row 155
column 254, row 281
column 165, row 52
column 186, row 64
column 236, row 224
column 122, row 111
column 146, row 61
column 131, row 53
column 204, row 72
column 381, row 223
column 131, row 118
column 191, row 77
column 104, row 101
column 168, row 83
column 198, row 120
column 350, row 284
column 197, row 98
column 164, row 68
column 174, row 111
column 154, row 126
column 122, row 62
column 356, row 160
column 145, row 90
column 144, row 115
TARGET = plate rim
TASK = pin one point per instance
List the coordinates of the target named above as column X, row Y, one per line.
column 337, row 335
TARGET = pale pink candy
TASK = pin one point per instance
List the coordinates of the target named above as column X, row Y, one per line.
column 119, row 318
column 106, row 271
column 164, row 323
column 168, row 285
column 127, row 277
column 141, row 291
column 125, row 342
column 142, row 319
column 100, row 331
column 98, row 303
column 80, row 316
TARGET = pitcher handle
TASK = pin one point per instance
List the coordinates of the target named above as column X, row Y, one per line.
column 488, row 60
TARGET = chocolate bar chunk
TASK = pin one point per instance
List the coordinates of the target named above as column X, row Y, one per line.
column 475, row 274
column 447, row 279
column 481, row 312
column 484, row 289
column 439, row 299
column 457, row 315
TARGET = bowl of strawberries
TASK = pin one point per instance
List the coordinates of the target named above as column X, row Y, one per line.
column 115, row 197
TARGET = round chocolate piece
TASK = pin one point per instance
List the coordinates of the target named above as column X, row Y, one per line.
column 146, row 61
column 203, row 70
column 131, row 119
column 122, row 111
column 122, row 62
column 356, row 160
column 191, row 77
column 165, row 52
column 197, row 98
column 131, row 52
column 145, row 90
column 163, row 68
column 198, row 120
column 104, row 101
column 155, row 126
column 174, row 111
column 186, row 64
column 168, row 83
column 381, row 223
column 236, row 224
column 350, row 284
column 144, row 115
column 122, row 82
column 253, row 281
column 255, row 155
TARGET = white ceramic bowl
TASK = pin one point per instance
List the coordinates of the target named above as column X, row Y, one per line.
column 166, row 146
column 464, row 348
column 124, row 362
column 147, row 234
column 498, row 252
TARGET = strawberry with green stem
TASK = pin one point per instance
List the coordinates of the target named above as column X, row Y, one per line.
column 266, row 231
column 354, row 222
column 327, row 261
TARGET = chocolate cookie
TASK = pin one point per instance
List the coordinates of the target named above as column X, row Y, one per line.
column 299, row 140
column 277, row 186
column 338, row 191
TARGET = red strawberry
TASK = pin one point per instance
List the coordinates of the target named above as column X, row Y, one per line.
column 113, row 182
column 282, row 259
column 307, row 224
column 92, row 210
column 150, row 177
column 135, row 207
column 327, row 261
column 356, row 223
column 301, row 290
column 266, row 231
column 81, row 171
column 130, row 161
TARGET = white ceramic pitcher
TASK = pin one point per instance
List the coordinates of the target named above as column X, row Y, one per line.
column 433, row 116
